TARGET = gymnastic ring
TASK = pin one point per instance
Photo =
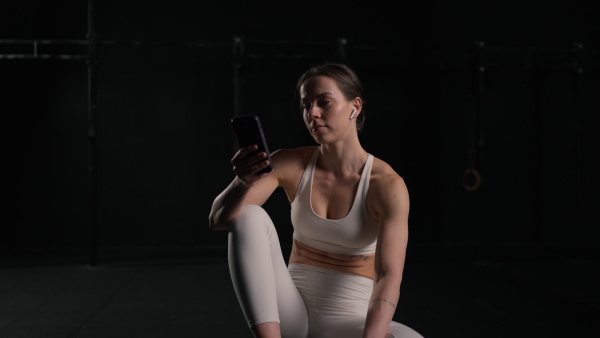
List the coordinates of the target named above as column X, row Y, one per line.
column 475, row 174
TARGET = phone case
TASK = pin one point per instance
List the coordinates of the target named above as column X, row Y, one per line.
column 248, row 131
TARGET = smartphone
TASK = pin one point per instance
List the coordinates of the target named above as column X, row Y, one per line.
column 248, row 131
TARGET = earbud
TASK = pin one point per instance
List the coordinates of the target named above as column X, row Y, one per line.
column 353, row 112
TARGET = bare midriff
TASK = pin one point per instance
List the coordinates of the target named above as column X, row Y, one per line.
column 362, row 265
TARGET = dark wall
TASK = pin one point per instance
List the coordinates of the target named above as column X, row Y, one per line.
column 164, row 104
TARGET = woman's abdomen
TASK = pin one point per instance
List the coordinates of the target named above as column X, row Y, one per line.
column 362, row 265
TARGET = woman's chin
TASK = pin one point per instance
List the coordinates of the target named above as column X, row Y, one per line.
column 318, row 139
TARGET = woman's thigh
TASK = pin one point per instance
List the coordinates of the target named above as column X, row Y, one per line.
column 260, row 277
column 337, row 303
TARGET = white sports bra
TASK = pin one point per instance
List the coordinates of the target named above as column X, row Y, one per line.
column 354, row 234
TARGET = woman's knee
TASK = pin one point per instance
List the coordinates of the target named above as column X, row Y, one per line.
column 251, row 216
column 398, row 330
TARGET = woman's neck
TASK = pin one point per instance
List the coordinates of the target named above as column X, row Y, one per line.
column 342, row 158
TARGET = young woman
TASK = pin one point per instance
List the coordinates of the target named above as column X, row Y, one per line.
column 350, row 216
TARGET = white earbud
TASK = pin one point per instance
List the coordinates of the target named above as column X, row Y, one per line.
column 353, row 112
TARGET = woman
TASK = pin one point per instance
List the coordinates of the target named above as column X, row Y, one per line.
column 350, row 218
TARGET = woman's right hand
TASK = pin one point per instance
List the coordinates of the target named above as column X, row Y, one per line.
column 246, row 168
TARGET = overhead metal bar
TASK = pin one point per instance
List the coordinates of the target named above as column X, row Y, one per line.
column 35, row 47
column 343, row 45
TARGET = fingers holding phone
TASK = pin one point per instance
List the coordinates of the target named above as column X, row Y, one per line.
column 249, row 164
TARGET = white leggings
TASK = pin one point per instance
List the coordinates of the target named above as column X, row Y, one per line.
column 307, row 301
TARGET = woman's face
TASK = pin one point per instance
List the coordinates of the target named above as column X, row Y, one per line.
column 325, row 109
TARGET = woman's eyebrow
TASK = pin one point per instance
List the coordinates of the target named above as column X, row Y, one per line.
column 318, row 96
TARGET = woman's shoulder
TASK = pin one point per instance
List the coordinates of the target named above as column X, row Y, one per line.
column 293, row 156
column 383, row 176
column 289, row 165
column 387, row 189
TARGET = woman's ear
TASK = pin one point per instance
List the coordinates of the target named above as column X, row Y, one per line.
column 357, row 102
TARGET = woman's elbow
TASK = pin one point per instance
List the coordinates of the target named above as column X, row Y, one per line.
column 391, row 277
column 214, row 223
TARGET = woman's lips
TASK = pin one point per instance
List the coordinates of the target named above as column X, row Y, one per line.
column 318, row 127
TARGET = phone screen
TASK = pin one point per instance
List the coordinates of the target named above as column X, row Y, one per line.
column 248, row 131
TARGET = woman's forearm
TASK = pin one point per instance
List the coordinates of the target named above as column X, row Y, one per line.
column 382, row 307
column 226, row 206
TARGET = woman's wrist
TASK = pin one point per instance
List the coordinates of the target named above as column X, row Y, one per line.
column 243, row 183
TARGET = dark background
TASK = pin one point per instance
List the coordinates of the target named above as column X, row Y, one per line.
column 166, row 94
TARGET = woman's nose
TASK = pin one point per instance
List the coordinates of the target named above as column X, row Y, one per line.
column 313, row 113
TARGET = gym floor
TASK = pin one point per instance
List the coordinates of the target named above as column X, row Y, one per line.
column 449, row 293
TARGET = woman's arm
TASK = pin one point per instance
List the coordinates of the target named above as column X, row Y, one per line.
column 247, row 187
column 391, row 204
